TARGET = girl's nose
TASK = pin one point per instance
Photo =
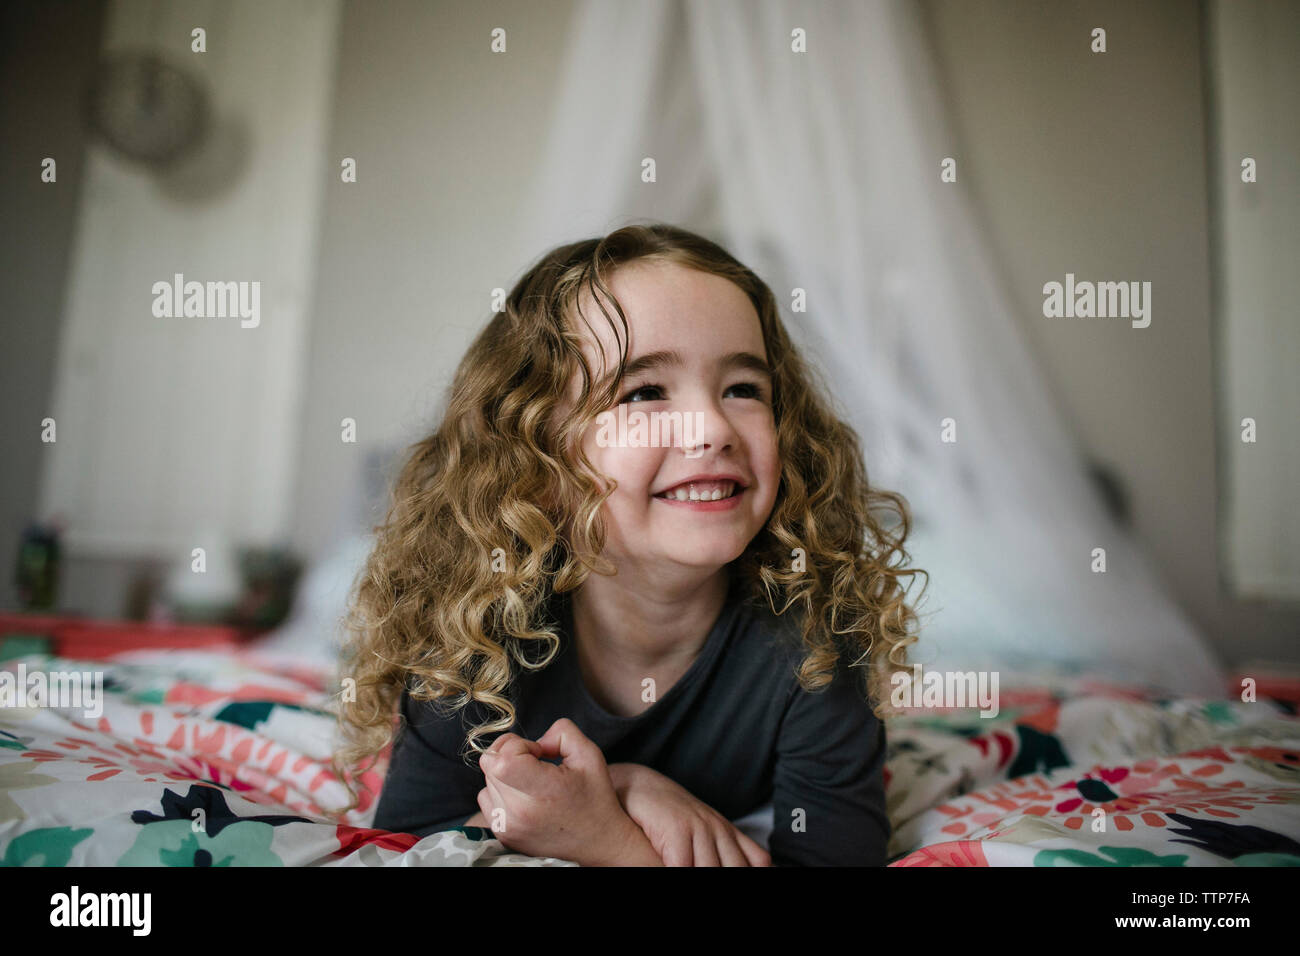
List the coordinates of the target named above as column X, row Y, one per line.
column 711, row 430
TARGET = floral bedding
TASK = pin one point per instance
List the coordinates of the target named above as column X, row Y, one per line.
column 204, row 758
column 1076, row 772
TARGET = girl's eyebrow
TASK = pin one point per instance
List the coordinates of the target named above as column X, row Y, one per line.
column 673, row 358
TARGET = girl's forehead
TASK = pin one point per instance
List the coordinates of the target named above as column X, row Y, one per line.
column 668, row 306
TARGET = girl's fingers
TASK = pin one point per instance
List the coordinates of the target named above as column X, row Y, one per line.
column 566, row 740
column 515, row 768
column 494, row 802
column 676, row 849
column 510, row 745
column 756, row 855
column 729, row 851
column 513, row 743
column 706, row 848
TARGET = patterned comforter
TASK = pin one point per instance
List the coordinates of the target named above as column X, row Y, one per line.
column 204, row 758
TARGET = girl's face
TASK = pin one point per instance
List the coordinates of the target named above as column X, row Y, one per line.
column 692, row 443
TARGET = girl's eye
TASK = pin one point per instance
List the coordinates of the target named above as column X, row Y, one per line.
column 655, row 393
column 749, row 389
column 640, row 391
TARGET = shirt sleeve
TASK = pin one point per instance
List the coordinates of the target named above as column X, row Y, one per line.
column 828, row 784
column 429, row 786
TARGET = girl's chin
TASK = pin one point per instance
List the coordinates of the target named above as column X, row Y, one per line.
column 706, row 558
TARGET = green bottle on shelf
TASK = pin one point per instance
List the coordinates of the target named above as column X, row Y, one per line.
column 38, row 568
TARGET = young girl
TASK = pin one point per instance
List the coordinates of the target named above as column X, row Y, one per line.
column 642, row 632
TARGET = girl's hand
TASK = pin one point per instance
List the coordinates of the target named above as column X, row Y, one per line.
column 569, row 811
column 683, row 830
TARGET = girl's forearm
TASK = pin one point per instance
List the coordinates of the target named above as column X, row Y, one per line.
column 631, row 847
column 634, row 849
column 621, row 775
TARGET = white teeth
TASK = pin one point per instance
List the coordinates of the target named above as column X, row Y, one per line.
column 695, row 492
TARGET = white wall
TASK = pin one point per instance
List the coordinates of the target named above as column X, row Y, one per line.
column 1255, row 68
column 1096, row 164
column 1096, row 167
column 48, row 49
column 443, row 132
column 171, row 428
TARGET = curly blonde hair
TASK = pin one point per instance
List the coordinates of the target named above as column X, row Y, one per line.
column 491, row 514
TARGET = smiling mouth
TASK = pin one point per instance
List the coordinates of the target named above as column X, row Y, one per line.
column 702, row 491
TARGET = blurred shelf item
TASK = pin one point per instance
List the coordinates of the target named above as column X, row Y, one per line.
column 84, row 638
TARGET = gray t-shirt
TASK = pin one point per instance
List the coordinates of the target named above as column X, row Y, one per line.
column 736, row 731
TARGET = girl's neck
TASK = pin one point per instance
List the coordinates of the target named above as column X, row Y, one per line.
column 620, row 620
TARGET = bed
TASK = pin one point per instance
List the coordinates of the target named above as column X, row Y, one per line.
column 220, row 757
